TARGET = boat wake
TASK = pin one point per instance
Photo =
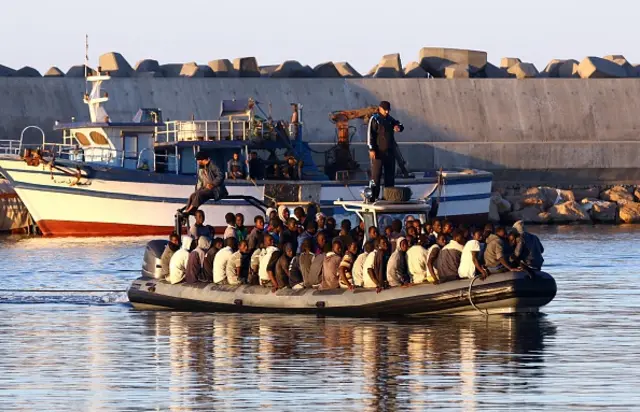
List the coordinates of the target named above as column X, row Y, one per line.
column 68, row 297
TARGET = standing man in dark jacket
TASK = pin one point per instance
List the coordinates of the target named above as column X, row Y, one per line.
column 382, row 146
column 210, row 184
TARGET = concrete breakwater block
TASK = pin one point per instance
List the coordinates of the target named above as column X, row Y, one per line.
column 457, row 71
column 597, row 68
column 346, row 70
column 372, row 71
column 147, row 65
column 79, row 71
column 6, row 71
column 292, row 69
column 267, row 71
column 524, row 70
column 223, row 68
column 246, row 67
column 54, row 72
column 27, row 71
column 622, row 62
column 508, row 62
column 115, row 64
column 435, row 66
column 566, row 69
column 491, row 71
column 414, row 70
column 475, row 58
column 390, row 67
column 171, row 69
column 192, row 69
column 326, row 70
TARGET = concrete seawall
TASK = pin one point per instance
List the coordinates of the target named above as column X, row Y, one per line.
column 550, row 131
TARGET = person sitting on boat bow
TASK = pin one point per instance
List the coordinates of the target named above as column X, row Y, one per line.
column 210, row 185
column 528, row 248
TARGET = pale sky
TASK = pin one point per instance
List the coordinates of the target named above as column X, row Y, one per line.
column 44, row 33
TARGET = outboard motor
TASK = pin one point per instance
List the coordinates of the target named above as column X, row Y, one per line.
column 151, row 265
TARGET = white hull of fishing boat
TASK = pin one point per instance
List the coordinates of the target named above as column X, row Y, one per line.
column 103, row 201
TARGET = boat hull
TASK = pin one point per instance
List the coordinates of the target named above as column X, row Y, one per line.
column 501, row 293
column 109, row 201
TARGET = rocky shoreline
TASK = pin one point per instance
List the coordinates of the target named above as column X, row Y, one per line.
column 550, row 205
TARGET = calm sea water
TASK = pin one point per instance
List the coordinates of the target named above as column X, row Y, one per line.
column 90, row 351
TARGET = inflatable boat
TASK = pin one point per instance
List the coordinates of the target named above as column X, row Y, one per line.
column 513, row 292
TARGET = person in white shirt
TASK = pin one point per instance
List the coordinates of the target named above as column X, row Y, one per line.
column 230, row 231
column 268, row 261
column 234, row 265
column 369, row 263
column 469, row 263
column 178, row 263
column 417, row 261
column 358, row 266
column 222, row 259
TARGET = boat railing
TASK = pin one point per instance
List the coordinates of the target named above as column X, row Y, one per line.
column 10, row 147
column 213, row 130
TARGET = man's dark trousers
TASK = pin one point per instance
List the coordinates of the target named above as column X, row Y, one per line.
column 387, row 161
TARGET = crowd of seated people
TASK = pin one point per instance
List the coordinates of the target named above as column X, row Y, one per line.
column 301, row 250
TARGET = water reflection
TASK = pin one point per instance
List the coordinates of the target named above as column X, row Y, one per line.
column 230, row 361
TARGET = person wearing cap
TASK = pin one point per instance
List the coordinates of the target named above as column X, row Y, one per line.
column 382, row 145
column 210, row 184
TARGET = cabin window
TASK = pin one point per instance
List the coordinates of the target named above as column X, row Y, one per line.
column 98, row 138
column 84, row 141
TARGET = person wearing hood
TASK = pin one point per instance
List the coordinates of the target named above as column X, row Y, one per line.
column 178, row 263
column 283, row 213
column 195, row 264
column 172, row 247
column 397, row 265
column 330, row 276
column 449, row 258
column 495, row 258
column 528, row 248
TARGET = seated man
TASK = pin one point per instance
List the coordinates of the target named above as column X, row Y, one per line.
column 234, row 265
column 397, row 265
column 470, row 260
column 529, row 250
column 210, row 185
column 195, row 264
column 417, row 260
column 178, row 263
column 256, row 237
column 449, row 259
column 358, row 266
column 235, row 167
column 432, row 257
column 254, row 265
column 207, row 267
column 345, row 270
column 283, row 265
column 222, row 260
column 495, row 258
column 330, row 267
column 172, row 247
column 300, row 270
column 291, row 171
column 199, row 229
column 268, row 260
column 230, row 230
column 376, row 266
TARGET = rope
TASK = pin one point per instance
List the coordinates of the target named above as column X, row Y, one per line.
column 63, row 290
column 486, row 312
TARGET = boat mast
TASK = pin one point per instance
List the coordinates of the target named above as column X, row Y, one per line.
column 86, row 63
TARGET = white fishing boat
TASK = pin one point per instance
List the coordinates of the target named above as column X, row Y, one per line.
column 111, row 178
